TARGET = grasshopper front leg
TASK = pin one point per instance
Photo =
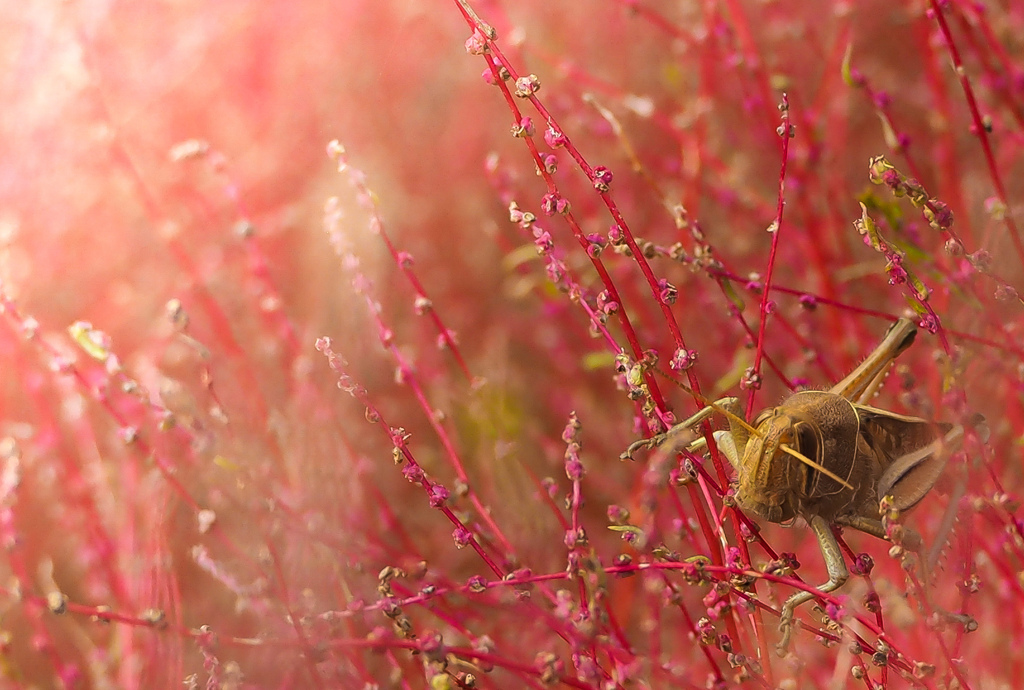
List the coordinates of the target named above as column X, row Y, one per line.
column 837, row 577
column 737, row 436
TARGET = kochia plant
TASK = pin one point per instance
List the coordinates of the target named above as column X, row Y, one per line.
column 275, row 418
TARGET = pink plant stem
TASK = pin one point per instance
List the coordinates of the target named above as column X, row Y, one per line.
column 776, row 228
column 979, row 128
column 487, row 34
column 395, row 434
column 296, row 620
column 156, row 215
column 692, row 627
column 499, row 59
column 357, row 179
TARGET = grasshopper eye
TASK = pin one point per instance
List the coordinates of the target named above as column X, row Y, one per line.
column 807, row 441
column 808, row 445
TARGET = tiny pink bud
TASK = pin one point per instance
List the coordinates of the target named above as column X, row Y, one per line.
column 527, row 86
column 462, row 537
column 809, row 302
column 413, row 473
column 438, row 496
column 554, row 138
column 476, row 44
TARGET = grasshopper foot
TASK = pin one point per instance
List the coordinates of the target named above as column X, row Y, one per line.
column 786, row 629
column 644, row 444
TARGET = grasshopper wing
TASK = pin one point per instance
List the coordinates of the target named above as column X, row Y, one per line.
column 912, row 450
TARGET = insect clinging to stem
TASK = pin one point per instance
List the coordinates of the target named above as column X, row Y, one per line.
column 830, row 458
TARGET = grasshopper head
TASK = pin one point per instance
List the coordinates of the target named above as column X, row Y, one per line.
column 767, row 474
column 801, row 459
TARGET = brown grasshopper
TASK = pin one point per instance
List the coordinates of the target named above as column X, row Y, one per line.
column 828, row 457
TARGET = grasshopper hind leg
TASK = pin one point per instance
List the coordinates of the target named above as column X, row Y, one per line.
column 837, row 577
column 912, row 541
